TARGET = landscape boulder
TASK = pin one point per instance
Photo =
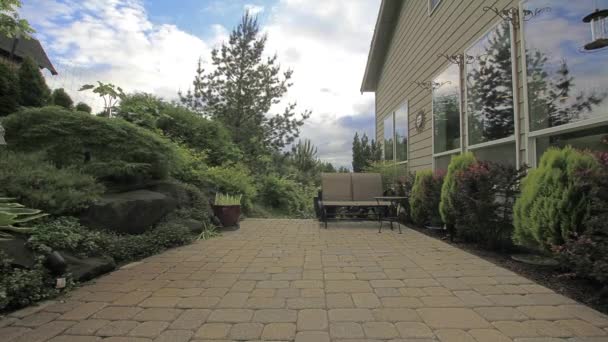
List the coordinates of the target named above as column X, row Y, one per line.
column 83, row 269
column 18, row 252
column 132, row 212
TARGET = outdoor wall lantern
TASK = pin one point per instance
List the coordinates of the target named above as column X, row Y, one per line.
column 599, row 29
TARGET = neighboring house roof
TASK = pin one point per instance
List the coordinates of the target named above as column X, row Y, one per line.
column 383, row 34
column 27, row 48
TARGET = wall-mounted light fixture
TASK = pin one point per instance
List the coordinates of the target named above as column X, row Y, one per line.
column 599, row 29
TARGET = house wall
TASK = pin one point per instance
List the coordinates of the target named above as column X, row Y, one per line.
column 413, row 56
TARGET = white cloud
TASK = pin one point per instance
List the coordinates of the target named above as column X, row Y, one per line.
column 325, row 42
column 253, row 9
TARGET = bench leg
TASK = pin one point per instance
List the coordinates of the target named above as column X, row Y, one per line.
column 379, row 212
column 324, row 214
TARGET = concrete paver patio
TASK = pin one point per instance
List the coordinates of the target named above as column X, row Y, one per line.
column 287, row 280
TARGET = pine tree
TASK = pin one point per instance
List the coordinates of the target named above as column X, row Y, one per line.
column 241, row 90
column 61, row 98
column 33, row 91
column 358, row 154
column 9, row 91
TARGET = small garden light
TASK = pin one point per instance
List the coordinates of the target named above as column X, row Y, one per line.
column 2, row 131
column 599, row 29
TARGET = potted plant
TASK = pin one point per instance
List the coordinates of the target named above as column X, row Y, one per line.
column 227, row 209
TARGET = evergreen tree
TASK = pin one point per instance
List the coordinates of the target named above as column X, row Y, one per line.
column 61, row 98
column 358, row 154
column 304, row 156
column 241, row 90
column 33, row 91
column 83, row 107
column 9, row 91
column 327, row 167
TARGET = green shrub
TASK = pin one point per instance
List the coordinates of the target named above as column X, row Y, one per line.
column 83, row 107
column 586, row 253
column 389, row 173
column 449, row 188
column 66, row 234
column 38, row 184
column 483, row 204
column 9, row 89
column 287, row 196
column 62, row 99
column 22, row 287
column 232, row 180
column 180, row 125
column 424, row 198
column 110, row 149
column 33, row 91
column 551, row 208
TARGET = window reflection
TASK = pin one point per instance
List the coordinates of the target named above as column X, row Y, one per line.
column 401, row 133
column 446, row 110
column 489, row 81
column 593, row 139
column 566, row 84
column 388, row 137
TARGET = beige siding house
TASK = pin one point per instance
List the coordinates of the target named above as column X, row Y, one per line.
column 452, row 76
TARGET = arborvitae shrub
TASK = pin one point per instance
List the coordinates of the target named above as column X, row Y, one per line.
column 551, row 207
column 424, row 198
column 458, row 164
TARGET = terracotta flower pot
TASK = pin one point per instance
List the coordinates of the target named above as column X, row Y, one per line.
column 228, row 215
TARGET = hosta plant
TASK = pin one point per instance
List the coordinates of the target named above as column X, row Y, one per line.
column 13, row 215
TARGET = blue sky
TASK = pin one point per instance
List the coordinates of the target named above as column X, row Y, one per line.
column 153, row 46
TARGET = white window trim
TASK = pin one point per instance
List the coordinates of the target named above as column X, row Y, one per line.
column 431, row 8
column 530, row 137
column 460, row 98
column 501, row 141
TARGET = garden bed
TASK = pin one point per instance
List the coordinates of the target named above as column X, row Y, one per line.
column 581, row 290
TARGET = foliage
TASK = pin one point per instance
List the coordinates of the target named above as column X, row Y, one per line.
column 112, row 150
column 389, row 173
column 9, row 89
column 110, row 94
column 232, row 180
column 135, row 247
column 287, row 196
column 209, row 232
column 449, row 188
column 33, row 91
column 587, row 253
column 483, row 203
column 13, row 215
column 304, row 156
column 424, row 198
column 11, row 25
column 223, row 199
column 365, row 152
column 22, row 287
column 66, row 234
column 38, row 184
column 180, row 125
column 551, row 208
column 59, row 97
column 83, row 107
column 241, row 89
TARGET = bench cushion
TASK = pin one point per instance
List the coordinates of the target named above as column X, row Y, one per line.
column 336, row 187
column 366, row 186
column 355, row 203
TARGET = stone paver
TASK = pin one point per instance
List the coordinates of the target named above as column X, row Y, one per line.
column 290, row 280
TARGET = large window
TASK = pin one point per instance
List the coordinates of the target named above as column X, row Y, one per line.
column 567, row 86
column 401, row 133
column 489, row 87
column 389, row 137
column 446, row 110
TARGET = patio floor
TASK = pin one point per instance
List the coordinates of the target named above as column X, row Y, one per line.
column 291, row 280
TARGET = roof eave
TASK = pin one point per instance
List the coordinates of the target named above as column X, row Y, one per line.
column 383, row 33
